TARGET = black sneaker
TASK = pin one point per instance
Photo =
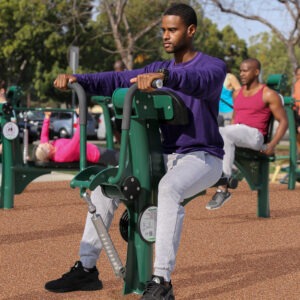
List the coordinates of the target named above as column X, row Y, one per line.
column 156, row 290
column 77, row 279
column 218, row 200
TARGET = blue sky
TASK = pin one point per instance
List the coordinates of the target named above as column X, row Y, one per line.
column 274, row 12
column 244, row 28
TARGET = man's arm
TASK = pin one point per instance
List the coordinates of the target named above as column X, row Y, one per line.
column 276, row 106
column 103, row 83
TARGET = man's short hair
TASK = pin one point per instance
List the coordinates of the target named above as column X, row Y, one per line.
column 184, row 11
column 254, row 61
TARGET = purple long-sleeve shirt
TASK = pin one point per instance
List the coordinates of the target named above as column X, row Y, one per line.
column 197, row 82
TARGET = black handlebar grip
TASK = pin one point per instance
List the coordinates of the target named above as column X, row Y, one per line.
column 81, row 100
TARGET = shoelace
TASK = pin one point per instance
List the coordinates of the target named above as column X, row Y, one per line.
column 150, row 285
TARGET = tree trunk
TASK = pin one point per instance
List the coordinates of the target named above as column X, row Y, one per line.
column 292, row 55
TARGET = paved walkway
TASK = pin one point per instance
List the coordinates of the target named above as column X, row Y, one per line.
column 53, row 176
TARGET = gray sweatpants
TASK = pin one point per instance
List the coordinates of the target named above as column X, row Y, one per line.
column 238, row 135
column 186, row 176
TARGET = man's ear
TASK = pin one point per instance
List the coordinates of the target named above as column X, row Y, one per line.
column 191, row 30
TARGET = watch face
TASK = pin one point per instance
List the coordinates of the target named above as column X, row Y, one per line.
column 147, row 224
column 10, row 130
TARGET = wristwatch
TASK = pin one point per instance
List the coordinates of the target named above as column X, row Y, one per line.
column 166, row 75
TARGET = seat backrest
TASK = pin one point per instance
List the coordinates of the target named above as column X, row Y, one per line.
column 268, row 136
column 14, row 95
column 277, row 82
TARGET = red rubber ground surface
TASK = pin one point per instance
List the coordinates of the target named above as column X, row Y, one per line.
column 224, row 254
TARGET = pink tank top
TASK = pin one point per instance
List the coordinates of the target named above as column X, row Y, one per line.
column 252, row 111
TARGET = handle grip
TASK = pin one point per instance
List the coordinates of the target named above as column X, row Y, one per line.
column 157, row 84
column 82, row 118
column 81, row 100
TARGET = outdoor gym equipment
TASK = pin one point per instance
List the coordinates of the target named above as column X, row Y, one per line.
column 105, row 103
column 135, row 180
column 293, row 173
column 278, row 82
column 254, row 165
column 14, row 95
column 17, row 171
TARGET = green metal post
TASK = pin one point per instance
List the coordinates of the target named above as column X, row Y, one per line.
column 82, row 162
column 82, row 119
column 7, row 180
column 139, row 252
column 288, row 102
column 104, row 102
column 263, row 202
column 122, row 159
column 108, row 127
column 14, row 95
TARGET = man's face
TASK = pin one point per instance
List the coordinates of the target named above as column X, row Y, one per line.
column 248, row 73
column 176, row 35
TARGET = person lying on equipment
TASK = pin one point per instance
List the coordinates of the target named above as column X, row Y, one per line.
column 68, row 150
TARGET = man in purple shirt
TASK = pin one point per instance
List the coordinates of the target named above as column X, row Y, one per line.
column 193, row 152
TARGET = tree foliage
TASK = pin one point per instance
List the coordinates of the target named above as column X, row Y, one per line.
column 133, row 26
column 271, row 52
column 36, row 35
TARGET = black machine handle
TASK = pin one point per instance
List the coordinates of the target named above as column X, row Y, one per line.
column 128, row 106
column 180, row 110
column 81, row 100
column 82, row 119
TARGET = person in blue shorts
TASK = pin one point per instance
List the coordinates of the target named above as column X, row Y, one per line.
column 193, row 153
